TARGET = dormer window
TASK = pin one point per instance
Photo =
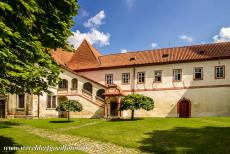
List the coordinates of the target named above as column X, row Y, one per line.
column 131, row 59
column 201, row 52
column 165, row 55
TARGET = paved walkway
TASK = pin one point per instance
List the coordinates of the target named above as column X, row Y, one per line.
column 82, row 143
column 76, row 127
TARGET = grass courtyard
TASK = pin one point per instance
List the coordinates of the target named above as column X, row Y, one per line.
column 158, row 135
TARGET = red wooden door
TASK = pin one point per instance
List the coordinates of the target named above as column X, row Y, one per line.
column 184, row 109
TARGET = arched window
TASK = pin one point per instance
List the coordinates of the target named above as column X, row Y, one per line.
column 88, row 87
column 100, row 93
column 63, row 84
column 74, row 83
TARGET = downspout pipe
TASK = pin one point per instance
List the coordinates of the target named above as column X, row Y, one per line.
column 38, row 106
column 134, row 74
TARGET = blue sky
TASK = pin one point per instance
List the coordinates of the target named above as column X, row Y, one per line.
column 115, row 25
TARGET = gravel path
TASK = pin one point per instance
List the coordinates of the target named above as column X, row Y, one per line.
column 76, row 127
column 82, row 143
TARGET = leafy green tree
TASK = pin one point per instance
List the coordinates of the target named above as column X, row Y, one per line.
column 135, row 102
column 29, row 29
column 69, row 106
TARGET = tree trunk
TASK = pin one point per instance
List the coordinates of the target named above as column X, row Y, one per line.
column 132, row 115
column 68, row 116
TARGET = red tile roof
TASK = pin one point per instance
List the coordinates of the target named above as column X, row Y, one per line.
column 86, row 55
column 88, row 58
column 62, row 57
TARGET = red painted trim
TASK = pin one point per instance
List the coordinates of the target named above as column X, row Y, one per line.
column 179, row 88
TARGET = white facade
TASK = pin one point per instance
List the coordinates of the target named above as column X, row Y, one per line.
column 207, row 97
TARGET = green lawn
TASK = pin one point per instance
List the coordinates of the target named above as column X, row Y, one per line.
column 10, row 136
column 159, row 135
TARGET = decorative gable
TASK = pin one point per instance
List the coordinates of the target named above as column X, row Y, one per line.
column 85, row 56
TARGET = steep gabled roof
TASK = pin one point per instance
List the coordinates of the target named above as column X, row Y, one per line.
column 85, row 55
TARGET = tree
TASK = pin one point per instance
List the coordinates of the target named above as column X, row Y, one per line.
column 135, row 102
column 29, row 30
column 69, row 106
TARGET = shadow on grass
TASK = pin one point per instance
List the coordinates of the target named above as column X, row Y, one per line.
column 188, row 140
column 116, row 120
column 7, row 124
column 6, row 143
column 60, row 122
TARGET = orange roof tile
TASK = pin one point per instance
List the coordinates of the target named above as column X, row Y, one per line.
column 85, row 55
column 62, row 57
column 88, row 58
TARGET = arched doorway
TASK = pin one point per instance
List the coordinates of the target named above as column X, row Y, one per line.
column 2, row 109
column 184, row 108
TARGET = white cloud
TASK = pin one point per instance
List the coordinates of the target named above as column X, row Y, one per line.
column 154, row 45
column 123, row 50
column 186, row 38
column 223, row 36
column 130, row 3
column 93, row 36
column 95, row 21
column 82, row 13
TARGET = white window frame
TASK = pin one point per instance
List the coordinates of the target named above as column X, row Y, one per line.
column 125, row 78
column 109, row 79
column 156, row 75
column 216, row 72
column 176, row 73
column 140, row 77
column 195, row 72
column 51, row 102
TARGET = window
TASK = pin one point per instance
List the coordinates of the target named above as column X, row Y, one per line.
column 87, row 87
column 177, row 74
column 220, row 72
column 125, row 78
column 21, row 101
column 63, row 84
column 100, row 93
column 51, row 101
column 140, row 77
column 109, row 79
column 74, row 84
column 157, row 76
column 198, row 73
